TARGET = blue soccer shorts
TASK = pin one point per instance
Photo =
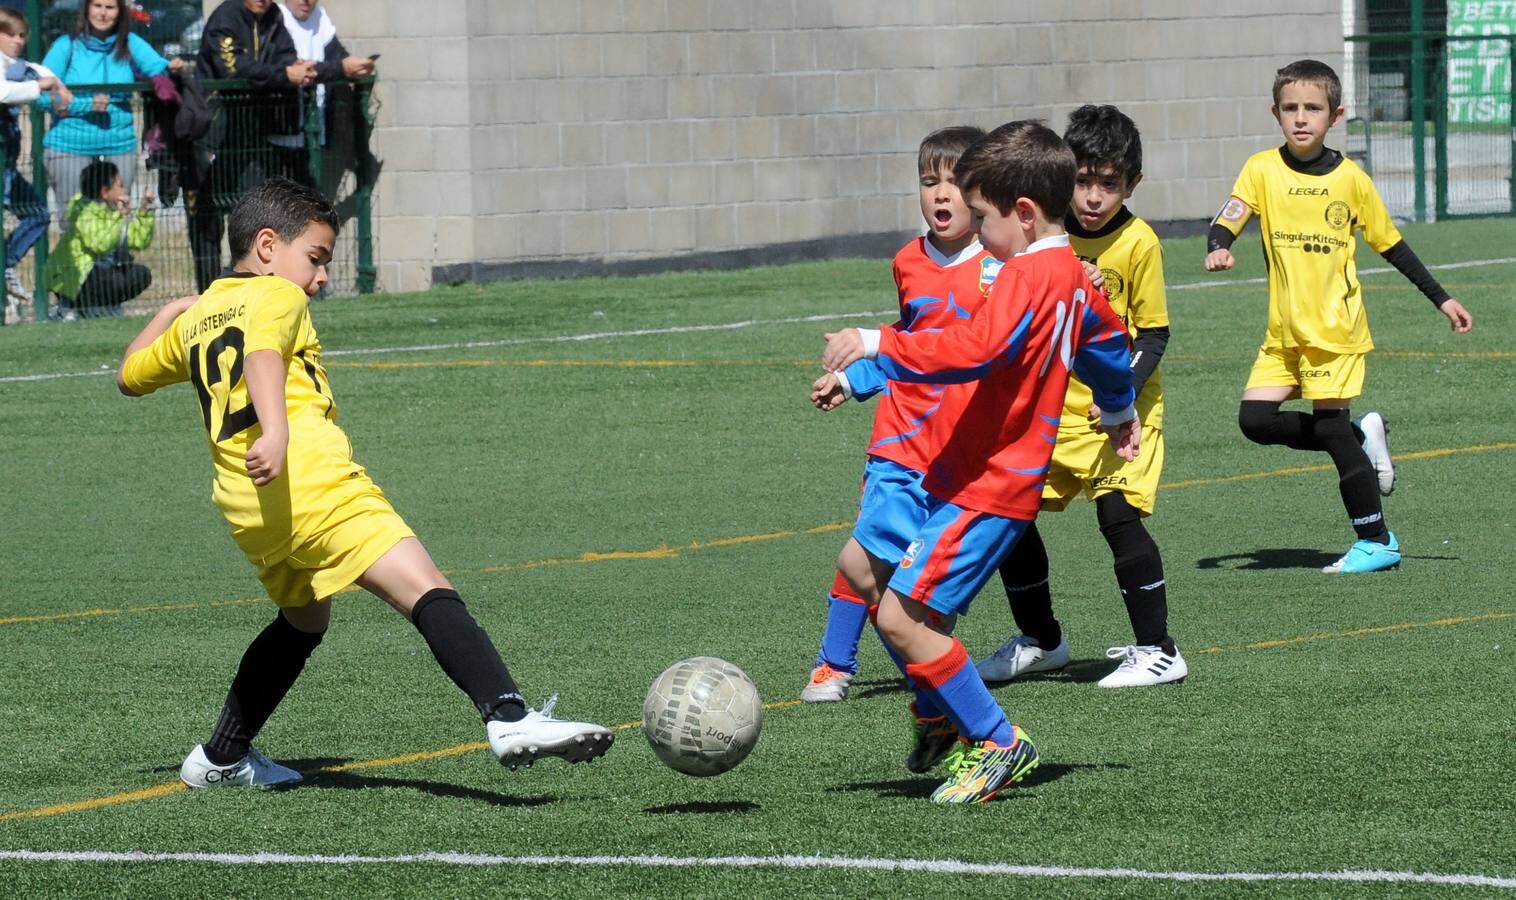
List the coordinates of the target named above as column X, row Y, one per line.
column 892, row 511
column 953, row 555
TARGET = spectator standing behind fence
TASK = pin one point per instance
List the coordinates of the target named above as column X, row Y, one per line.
column 23, row 83
column 101, row 49
column 245, row 39
column 92, row 270
column 315, row 38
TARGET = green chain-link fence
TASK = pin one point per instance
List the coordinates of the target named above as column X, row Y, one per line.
column 1430, row 116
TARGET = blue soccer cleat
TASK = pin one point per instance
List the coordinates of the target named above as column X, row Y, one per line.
column 1367, row 556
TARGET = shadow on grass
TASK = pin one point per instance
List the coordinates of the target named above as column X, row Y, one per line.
column 1276, row 558
column 877, row 688
column 1079, row 671
column 352, row 781
column 728, row 806
column 921, row 788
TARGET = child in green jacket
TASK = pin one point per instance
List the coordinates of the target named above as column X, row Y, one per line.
column 92, row 270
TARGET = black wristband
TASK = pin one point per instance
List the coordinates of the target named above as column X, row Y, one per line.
column 1219, row 238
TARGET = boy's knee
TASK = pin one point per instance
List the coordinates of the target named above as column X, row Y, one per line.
column 1257, row 419
column 1121, row 526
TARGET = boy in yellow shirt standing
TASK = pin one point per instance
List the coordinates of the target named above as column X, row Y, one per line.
column 1310, row 199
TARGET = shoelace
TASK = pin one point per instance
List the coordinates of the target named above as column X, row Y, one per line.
column 823, row 674
column 1129, row 651
column 1010, row 650
column 546, row 711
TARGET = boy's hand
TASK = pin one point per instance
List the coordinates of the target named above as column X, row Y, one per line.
column 1094, row 273
column 1458, row 317
column 826, row 393
column 843, row 348
column 1219, row 260
column 265, row 458
column 1126, row 438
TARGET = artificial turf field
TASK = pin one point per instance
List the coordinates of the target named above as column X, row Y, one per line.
column 608, row 505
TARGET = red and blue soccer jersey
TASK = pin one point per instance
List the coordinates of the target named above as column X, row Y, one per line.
column 1043, row 317
column 935, row 293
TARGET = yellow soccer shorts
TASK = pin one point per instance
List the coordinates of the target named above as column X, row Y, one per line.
column 1319, row 374
column 324, row 563
column 1084, row 463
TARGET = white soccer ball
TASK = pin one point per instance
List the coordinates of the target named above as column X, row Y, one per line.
column 702, row 716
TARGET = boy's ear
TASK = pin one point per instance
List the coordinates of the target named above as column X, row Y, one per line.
column 1131, row 184
column 1027, row 212
column 1337, row 116
column 263, row 244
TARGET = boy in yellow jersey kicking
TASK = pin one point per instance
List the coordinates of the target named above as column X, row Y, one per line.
column 1108, row 150
column 1310, row 199
column 305, row 514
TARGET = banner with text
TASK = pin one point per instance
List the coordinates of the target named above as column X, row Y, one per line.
column 1479, row 72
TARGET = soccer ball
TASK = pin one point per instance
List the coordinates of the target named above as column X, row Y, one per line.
column 702, row 716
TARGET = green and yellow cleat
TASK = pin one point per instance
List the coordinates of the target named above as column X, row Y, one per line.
column 984, row 768
column 935, row 739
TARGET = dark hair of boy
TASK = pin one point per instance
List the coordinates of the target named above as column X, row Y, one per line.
column 12, row 22
column 122, row 28
column 1310, row 71
column 944, row 147
column 284, row 206
column 1104, row 137
column 1020, row 159
column 96, row 177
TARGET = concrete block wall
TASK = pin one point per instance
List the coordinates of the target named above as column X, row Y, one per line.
column 561, row 136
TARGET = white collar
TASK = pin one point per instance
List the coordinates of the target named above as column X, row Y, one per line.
column 1047, row 243
column 947, row 262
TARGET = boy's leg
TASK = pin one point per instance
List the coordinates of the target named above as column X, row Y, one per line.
column 268, row 670
column 406, row 578
column 837, row 660
column 1039, row 647
column 1376, row 548
column 30, row 210
column 1153, row 658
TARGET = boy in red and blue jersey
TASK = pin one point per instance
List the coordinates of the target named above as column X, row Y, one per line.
column 941, row 277
column 1043, row 318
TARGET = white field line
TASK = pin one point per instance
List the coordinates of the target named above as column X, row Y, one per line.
column 700, row 329
column 933, row 866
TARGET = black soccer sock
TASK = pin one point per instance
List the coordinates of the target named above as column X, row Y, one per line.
column 1024, row 572
column 1263, row 422
column 1356, row 479
column 467, row 655
column 1139, row 570
column 268, row 669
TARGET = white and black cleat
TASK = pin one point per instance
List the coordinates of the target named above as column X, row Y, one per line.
column 537, row 735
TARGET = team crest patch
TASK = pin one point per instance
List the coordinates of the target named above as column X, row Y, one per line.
column 1115, row 287
column 911, row 552
column 1337, row 214
column 1234, row 210
column 987, row 272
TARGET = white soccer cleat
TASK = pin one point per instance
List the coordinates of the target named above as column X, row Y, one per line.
column 253, row 770
column 1022, row 656
column 527, row 740
column 1143, row 666
column 1376, row 444
column 827, row 685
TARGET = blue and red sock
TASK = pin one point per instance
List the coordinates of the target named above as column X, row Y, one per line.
column 846, row 614
column 953, row 682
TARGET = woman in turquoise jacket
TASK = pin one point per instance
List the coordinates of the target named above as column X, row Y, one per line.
column 101, row 50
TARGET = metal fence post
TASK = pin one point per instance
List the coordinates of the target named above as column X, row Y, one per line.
column 1418, row 109
column 366, row 170
column 39, row 167
column 1510, row 46
column 1440, row 138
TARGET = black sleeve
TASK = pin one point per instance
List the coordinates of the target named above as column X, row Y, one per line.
column 1219, row 238
column 1147, row 350
column 1404, row 259
column 330, row 68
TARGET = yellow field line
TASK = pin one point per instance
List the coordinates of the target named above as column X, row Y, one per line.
column 666, row 552
column 163, row 790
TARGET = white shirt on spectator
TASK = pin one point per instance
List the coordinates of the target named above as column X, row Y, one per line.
column 311, row 38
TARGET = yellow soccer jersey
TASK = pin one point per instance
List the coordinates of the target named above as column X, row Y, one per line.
column 1308, row 213
column 1128, row 253
column 206, row 346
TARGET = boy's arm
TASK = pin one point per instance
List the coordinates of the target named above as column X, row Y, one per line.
column 1225, row 228
column 1380, row 232
column 1148, row 309
column 1103, row 362
column 264, row 372
column 862, row 380
column 156, row 326
column 957, row 354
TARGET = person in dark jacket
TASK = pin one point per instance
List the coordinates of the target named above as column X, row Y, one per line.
column 244, row 39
